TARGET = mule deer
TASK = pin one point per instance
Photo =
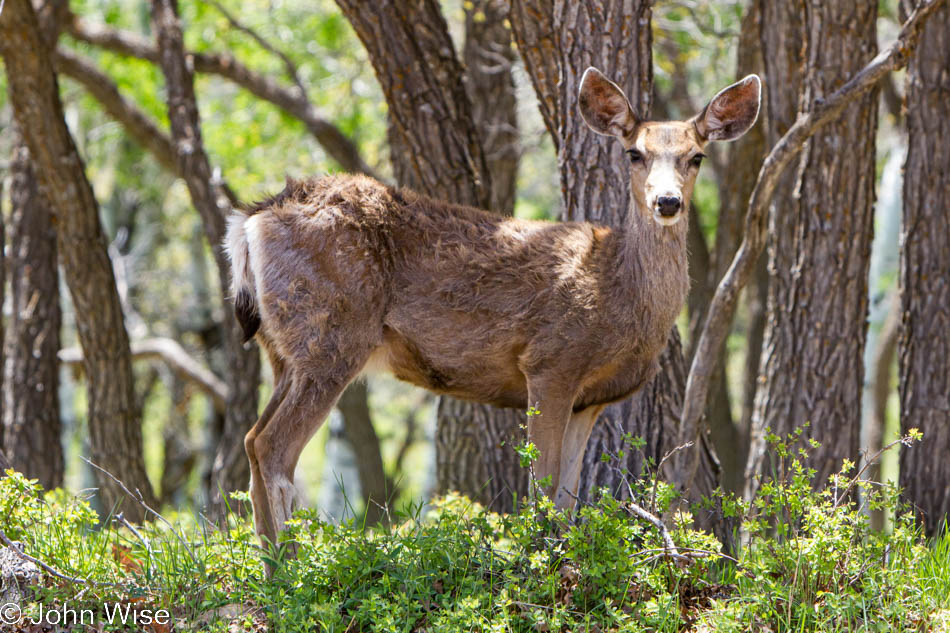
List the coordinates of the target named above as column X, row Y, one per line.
column 343, row 274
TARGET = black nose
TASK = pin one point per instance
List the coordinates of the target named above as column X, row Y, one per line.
column 668, row 205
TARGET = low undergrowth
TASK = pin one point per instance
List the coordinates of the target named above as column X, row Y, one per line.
column 810, row 563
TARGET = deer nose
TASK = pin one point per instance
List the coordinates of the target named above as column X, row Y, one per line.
column 668, row 206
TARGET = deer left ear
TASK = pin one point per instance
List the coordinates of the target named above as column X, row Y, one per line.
column 732, row 112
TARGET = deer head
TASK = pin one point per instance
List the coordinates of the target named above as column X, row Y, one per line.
column 665, row 156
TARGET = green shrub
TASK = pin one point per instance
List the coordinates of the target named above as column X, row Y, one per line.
column 808, row 562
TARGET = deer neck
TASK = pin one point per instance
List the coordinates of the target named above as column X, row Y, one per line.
column 653, row 271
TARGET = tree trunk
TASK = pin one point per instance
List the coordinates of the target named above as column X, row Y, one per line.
column 489, row 58
column 230, row 468
column 115, row 435
column 744, row 158
column 781, row 38
column 925, row 260
column 31, row 371
column 436, row 149
column 814, row 344
column 421, row 77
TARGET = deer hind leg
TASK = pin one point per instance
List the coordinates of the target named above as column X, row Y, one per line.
column 263, row 521
column 311, row 395
column 546, row 429
column 573, row 447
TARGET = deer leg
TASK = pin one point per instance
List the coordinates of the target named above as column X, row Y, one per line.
column 278, row 446
column 573, row 447
column 263, row 521
column 552, row 411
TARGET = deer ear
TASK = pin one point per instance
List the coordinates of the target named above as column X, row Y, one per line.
column 604, row 106
column 732, row 112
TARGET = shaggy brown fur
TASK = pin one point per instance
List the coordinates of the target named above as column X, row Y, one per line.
column 345, row 274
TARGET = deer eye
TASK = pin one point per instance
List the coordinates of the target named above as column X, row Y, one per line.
column 697, row 160
column 635, row 156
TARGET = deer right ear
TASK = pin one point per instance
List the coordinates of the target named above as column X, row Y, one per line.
column 732, row 112
column 604, row 106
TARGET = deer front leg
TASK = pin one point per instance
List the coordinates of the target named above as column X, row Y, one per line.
column 549, row 414
column 573, row 447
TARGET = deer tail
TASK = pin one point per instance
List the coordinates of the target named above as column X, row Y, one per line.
column 242, row 277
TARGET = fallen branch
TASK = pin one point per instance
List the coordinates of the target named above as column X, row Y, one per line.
column 294, row 103
column 723, row 306
column 175, row 357
column 636, row 510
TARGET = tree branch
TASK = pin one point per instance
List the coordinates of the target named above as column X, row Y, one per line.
column 289, row 65
column 293, row 102
column 138, row 124
column 175, row 357
column 723, row 306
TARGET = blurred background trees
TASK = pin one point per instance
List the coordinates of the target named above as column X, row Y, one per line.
column 128, row 129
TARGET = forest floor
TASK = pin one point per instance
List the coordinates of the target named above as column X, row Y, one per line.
column 810, row 562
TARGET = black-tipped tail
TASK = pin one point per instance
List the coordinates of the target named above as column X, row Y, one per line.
column 247, row 315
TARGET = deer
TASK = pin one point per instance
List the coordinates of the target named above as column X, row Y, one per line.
column 340, row 276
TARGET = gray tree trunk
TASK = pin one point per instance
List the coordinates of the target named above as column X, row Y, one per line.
column 781, row 38
column 489, row 57
column 812, row 355
column 31, row 420
column 744, row 158
column 115, row 434
column 925, row 262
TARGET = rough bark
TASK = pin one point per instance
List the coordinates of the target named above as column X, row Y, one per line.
column 781, row 39
column 814, row 343
column 744, row 158
column 925, row 293
column 436, row 149
column 31, row 370
column 488, row 58
column 230, row 468
column 115, row 435
column 532, row 28
column 421, row 77
column 824, row 111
